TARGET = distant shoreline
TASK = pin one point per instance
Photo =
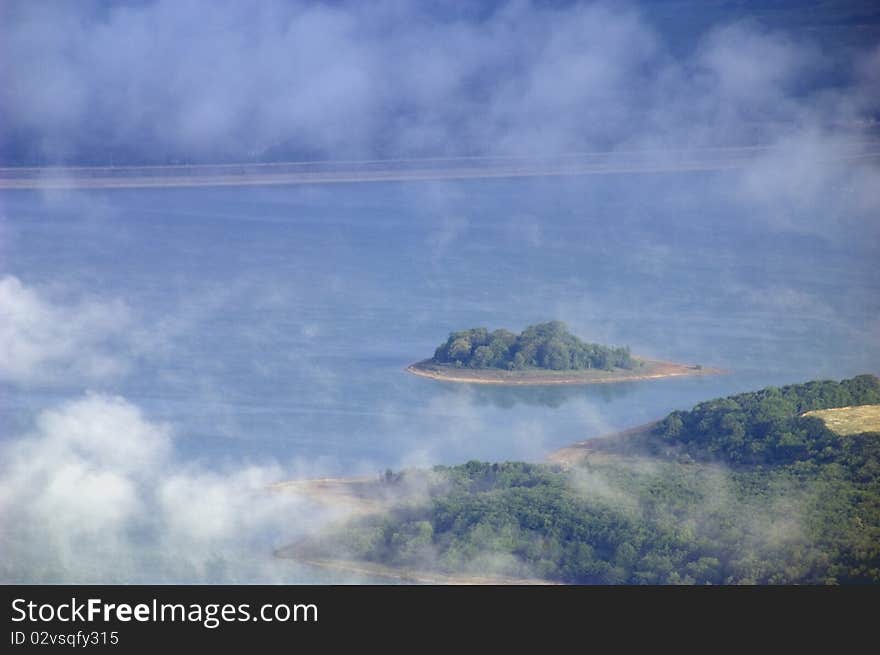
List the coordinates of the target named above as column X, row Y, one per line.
column 348, row 177
column 649, row 369
column 682, row 160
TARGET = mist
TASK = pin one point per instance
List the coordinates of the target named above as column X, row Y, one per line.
column 94, row 493
column 167, row 355
column 162, row 82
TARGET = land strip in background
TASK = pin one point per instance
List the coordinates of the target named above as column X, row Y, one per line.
column 390, row 170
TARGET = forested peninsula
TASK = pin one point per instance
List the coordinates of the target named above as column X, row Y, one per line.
column 776, row 486
column 546, row 353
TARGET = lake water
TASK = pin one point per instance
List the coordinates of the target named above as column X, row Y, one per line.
column 275, row 323
column 269, row 328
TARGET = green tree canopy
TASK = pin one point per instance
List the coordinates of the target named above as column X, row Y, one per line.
column 801, row 506
column 545, row 345
column 766, row 426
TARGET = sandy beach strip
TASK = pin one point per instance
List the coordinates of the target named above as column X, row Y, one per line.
column 655, row 370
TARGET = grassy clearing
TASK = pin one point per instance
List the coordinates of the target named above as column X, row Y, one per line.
column 850, row 420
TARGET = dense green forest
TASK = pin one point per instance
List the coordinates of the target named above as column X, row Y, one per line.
column 546, row 345
column 790, row 509
column 766, row 426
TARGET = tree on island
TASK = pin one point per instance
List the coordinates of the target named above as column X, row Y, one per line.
column 545, row 345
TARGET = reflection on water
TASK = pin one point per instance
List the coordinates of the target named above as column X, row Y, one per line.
column 506, row 397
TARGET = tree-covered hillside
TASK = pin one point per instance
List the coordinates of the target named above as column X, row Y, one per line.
column 810, row 515
column 546, row 345
column 767, row 426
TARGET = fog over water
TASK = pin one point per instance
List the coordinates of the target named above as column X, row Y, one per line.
column 276, row 323
column 165, row 354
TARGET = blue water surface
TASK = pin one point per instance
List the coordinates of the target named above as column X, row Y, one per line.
column 274, row 323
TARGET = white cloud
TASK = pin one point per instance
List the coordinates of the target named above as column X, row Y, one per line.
column 801, row 186
column 197, row 79
column 48, row 341
column 203, row 81
column 753, row 72
column 95, row 494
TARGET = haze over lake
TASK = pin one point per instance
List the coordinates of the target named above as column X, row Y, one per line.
column 274, row 324
column 168, row 354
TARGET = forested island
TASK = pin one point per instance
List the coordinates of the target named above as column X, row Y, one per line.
column 546, row 353
column 546, row 345
column 757, row 488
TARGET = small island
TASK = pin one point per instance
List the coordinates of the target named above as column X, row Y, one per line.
column 542, row 354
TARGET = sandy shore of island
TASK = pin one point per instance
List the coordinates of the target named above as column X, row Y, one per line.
column 651, row 369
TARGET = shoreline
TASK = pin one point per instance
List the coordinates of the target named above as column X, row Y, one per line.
column 356, row 496
column 348, row 497
column 654, row 369
column 373, row 569
column 575, row 453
